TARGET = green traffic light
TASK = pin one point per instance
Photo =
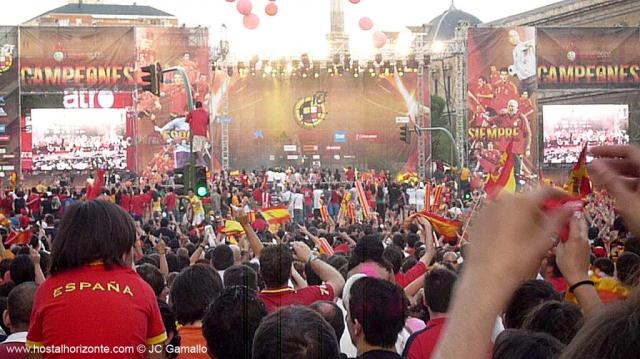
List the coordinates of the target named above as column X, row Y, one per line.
column 202, row 191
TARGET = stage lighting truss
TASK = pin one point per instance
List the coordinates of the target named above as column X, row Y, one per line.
column 338, row 66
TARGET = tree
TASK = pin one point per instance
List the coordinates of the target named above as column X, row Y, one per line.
column 441, row 146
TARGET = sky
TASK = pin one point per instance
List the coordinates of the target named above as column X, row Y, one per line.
column 300, row 25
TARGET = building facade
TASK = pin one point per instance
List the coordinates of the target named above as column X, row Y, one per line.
column 100, row 13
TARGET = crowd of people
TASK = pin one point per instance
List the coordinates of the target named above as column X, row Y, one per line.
column 354, row 267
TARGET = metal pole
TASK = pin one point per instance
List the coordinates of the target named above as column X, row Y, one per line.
column 419, row 130
column 189, row 174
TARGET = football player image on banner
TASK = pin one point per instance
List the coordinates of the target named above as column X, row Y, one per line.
column 163, row 134
column 502, row 85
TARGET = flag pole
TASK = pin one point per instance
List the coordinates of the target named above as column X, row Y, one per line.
column 473, row 210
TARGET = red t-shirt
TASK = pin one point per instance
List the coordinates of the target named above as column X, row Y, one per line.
column 34, row 202
column 7, row 205
column 308, row 196
column 125, row 202
column 404, row 279
column 422, row 344
column 284, row 297
column 198, row 119
column 92, row 306
column 138, row 204
column 170, row 201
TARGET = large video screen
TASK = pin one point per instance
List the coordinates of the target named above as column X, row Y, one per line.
column 78, row 139
column 568, row 127
column 324, row 121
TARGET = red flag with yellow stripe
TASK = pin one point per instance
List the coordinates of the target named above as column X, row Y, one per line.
column 579, row 181
column 447, row 228
column 276, row 215
column 232, row 228
column 506, row 180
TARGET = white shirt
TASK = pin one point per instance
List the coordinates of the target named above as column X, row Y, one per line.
column 270, row 176
column 298, row 201
column 19, row 337
column 411, row 192
column 286, row 197
column 524, row 60
column 317, row 196
column 420, row 194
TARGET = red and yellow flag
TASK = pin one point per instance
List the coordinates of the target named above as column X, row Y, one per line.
column 427, row 195
column 232, row 228
column 276, row 215
column 437, row 198
column 20, row 237
column 579, row 181
column 447, row 228
column 324, row 213
column 505, row 180
column 362, row 198
column 325, row 248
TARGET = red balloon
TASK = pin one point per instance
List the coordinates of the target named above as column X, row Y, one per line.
column 271, row 9
column 231, row 0
column 352, row 1
column 244, row 7
column 379, row 39
column 251, row 21
column 366, row 23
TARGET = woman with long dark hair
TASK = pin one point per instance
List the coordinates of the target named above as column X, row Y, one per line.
column 93, row 296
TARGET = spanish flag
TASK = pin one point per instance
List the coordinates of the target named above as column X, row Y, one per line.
column 447, row 228
column 437, row 198
column 579, row 182
column 427, row 195
column 362, row 198
column 276, row 215
column 506, row 179
column 324, row 213
column 232, row 228
column 20, row 237
column 325, row 248
column 609, row 290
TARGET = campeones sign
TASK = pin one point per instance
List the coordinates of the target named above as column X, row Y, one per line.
column 78, row 76
column 589, row 75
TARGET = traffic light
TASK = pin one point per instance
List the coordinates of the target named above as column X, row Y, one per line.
column 201, row 188
column 152, row 77
column 405, row 134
